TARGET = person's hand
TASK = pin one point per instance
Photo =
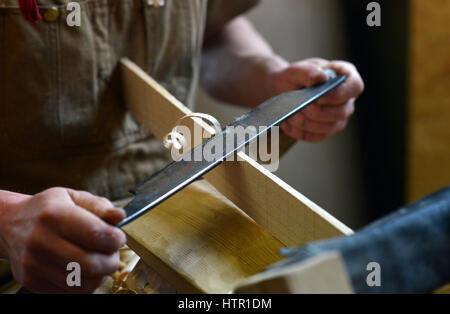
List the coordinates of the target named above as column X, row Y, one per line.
column 45, row 232
column 330, row 114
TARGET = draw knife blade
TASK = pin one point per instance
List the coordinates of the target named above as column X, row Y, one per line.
column 181, row 173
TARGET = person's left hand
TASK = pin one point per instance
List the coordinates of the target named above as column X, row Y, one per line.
column 330, row 114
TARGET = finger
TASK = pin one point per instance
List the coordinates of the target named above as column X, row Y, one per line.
column 324, row 113
column 306, row 136
column 306, row 74
column 301, row 122
column 324, row 64
column 83, row 228
column 298, row 120
column 45, row 283
column 99, row 206
column 54, row 256
column 302, row 135
column 325, row 128
column 40, row 285
column 286, row 128
column 351, row 88
column 56, row 278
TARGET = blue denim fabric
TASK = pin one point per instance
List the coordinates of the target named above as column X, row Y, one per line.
column 412, row 247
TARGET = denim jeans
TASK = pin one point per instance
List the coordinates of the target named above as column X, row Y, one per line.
column 411, row 246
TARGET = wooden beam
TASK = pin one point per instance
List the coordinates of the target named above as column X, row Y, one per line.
column 274, row 205
column 429, row 101
column 200, row 242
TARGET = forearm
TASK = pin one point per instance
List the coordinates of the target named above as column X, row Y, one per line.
column 236, row 63
column 7, row 201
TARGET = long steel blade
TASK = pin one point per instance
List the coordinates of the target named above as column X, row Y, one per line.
column 179, row 174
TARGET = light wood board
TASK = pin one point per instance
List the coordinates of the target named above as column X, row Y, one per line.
column 429, row 98
column 323, row 274
column 202, row 248
column 200, row 242
column 278, row 208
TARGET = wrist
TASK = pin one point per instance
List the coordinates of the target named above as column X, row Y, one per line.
column 8, row 203
column 271, row 67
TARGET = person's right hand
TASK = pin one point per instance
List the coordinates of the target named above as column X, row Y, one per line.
column 45, row 232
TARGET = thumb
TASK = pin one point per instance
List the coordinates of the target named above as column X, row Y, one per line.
column 306, row 74
column 99, row 206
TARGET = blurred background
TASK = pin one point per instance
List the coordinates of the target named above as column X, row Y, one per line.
column 397, row 147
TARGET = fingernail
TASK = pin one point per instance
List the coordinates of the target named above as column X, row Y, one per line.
column 330, row 73
column 123, row 212
column 124, row 238
column 114, row 209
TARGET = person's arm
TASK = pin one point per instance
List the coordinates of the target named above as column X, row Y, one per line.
column 41, row 234
column 7, row 201
column 235, row 56
column 239, row 67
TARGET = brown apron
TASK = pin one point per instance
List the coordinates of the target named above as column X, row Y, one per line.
column 62, row 118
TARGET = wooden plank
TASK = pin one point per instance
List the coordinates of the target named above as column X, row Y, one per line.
column 324, row 274
column 443, row 290
column 200, row 242
column 274, row 205
column 429, row 108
